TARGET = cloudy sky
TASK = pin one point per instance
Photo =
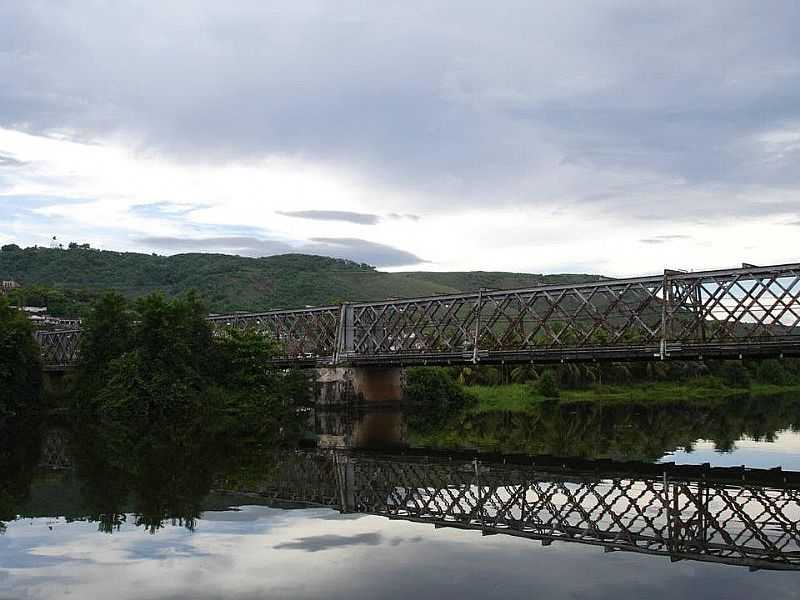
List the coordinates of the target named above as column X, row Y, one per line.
column 612, row 137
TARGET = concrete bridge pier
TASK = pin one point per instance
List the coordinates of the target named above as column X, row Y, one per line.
column 362, row 385
column 360, row 408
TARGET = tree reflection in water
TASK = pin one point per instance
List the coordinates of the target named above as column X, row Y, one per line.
column 20, row 448
column 153, row 472
column 630, row 430
column 157, row 472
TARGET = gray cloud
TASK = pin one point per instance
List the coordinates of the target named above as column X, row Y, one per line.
column 379, row 255
column 317, row 543
column 663, row 239
column 410, row 217
column 358, row 250
column 603, row 104
column 333, row 215
column 10, row 161
column 244, row 246
column 166, row 210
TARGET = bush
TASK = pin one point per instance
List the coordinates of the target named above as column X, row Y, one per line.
column 432, row 385
column 548, row 384
column 432, row 395
column 710, row 382
column 735, row 374
column 476, row 375
column 771, row 371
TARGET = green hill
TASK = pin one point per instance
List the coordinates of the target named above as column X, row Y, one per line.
column 229, row 283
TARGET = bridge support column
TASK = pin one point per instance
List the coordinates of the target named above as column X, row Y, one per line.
column 369, row 385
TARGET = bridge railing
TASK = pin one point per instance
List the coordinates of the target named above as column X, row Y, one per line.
column 728, row 312
column 306, row 335
column 753, row 311
column 759, row 305
column 59, row 348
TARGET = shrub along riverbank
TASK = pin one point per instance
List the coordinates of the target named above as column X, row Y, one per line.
column 623, row 430
column 520, row 397
column 440, row 392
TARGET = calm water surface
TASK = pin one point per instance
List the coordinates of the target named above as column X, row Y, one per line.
column 87, row 514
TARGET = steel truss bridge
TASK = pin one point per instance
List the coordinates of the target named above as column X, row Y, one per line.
column 734, row 516
column 733, row 313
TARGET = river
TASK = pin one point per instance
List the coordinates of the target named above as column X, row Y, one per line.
column 668, row 500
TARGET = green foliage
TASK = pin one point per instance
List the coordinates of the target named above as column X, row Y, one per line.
column 477, row 375
column 20, row 448
column 629, row 430
column 228, row 283
column 10, row 248
column 20, row 364
column 64, row 302
column 162, row 471
column 243, row 356
column 150, row 358
column 158, row 358
column 772, row 372
column 432, row 395
column 735, row 374
column 106, row 334
column 432, row 384
column 548, row 384
column 524, row 373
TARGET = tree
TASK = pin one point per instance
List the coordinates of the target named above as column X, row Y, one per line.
column 433, row 396
column 10, row 248
column 106, row 334
column 159, row 358
column 161, row 365
column 20, row 363
column 735, row 374
column 548, row 384
column 771, row 371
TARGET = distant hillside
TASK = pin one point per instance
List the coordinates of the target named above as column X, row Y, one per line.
column 230, row 283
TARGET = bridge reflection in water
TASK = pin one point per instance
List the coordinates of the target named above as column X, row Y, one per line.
column 732, row 516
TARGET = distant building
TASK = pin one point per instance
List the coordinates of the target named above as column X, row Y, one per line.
column 7, row 286
column 35, row 310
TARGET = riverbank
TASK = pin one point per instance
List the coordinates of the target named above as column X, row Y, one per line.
column 521, row 397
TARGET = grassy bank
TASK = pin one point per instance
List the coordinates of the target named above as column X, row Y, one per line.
column 521, row 397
